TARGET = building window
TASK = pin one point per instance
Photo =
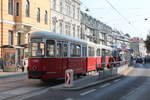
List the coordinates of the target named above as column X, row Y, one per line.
column 27, row 8
column 69, row 29
column 54, row 4
column 60, row 25
column 68, row 12
column 10, row 7
column 54, row 21
column 78, row 13
column 66, row 28
column 73, row 11
column 38, row 15
column 46, row 17
column 61, row 7
column 10, row 37
column 17, row 9
column 78, row 29
column 73, row 28
column 19, row 39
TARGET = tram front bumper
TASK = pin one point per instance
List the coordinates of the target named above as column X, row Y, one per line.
column 36, row 75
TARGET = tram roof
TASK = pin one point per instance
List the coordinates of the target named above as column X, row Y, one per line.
column 53, row 35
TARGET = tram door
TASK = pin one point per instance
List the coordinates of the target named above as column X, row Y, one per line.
column 54, row 53
column 59, row 55
column 64, row 50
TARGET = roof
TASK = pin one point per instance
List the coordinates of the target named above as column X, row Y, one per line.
column 11, row 46
column 53, row 35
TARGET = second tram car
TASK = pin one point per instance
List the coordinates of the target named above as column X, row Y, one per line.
column 51, row 54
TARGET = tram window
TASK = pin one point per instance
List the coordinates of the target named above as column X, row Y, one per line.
column 84, row 51
column 38, row 49
column 75, row 50
column 50, row 48
column 58, row 51
column 91, row 51
column 108, row 53
column 103, row 52
column 98, row 52
column 65, row 50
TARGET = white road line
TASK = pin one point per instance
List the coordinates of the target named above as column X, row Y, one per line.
column 130, row 93
column 116, row 80
column 87, row 92
column 69, row 99
column 105, row 85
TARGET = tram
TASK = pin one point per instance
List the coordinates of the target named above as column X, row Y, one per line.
column 51, row 54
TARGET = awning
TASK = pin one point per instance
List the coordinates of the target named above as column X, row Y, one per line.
column 12, row 46
column 23, row 45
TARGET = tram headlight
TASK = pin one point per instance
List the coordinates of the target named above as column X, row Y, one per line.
column 34, row 68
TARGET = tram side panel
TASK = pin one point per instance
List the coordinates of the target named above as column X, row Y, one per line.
column 35, row 68
column 54, row 68
column 99, row 63
column 91, row 64
column 46, row 68
column 78, row 65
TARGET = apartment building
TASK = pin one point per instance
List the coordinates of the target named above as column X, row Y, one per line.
column 65, row 17
column 18, row 18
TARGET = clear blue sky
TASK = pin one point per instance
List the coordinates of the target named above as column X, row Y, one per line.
column 133, row 11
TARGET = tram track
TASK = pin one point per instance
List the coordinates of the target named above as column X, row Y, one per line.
column 16, row 87
column 26, row 94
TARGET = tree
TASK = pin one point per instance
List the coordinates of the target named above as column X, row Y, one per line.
column 147, row 43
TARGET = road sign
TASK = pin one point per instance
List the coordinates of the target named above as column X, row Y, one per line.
column 69, row 78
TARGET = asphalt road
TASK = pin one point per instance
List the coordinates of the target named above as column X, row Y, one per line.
column 135, row 86
column 19, row 86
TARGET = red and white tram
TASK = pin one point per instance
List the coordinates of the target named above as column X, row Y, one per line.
column 51, row 54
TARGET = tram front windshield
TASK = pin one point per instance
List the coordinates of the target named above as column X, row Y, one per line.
column 37, row 49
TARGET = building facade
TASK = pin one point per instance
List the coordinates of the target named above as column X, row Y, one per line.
column 18, row 18
column 93, row 30
column 138, row 46
column 65, row 17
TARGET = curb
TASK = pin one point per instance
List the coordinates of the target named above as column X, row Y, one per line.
column 12, row 75
column 92, row 84
column 61, row 87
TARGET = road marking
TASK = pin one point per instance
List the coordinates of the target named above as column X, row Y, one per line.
column 130, row 93
column 105, row 85
column 69, row 99
column 87, row 92
column 116, row 80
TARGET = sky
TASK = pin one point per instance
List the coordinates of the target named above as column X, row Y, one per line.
column 129, row 16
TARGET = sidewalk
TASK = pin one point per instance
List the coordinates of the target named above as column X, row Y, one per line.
column 11, row 74
column 90, row 81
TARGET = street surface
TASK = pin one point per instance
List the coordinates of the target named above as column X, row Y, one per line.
column 16, row 86
column 135, row 86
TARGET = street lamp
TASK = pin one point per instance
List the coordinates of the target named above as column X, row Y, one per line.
column 87, row 9
column 145, row 19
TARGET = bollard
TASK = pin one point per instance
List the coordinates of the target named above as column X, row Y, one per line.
column 69, row 78
column 101, row 74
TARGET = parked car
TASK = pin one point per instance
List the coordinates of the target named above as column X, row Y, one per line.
column 139, row 60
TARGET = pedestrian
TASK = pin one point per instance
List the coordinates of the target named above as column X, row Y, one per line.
column 22, row 68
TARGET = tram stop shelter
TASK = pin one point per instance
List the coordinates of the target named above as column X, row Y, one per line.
column 8, row 59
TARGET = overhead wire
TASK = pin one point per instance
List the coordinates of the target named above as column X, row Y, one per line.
column 121, row 15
